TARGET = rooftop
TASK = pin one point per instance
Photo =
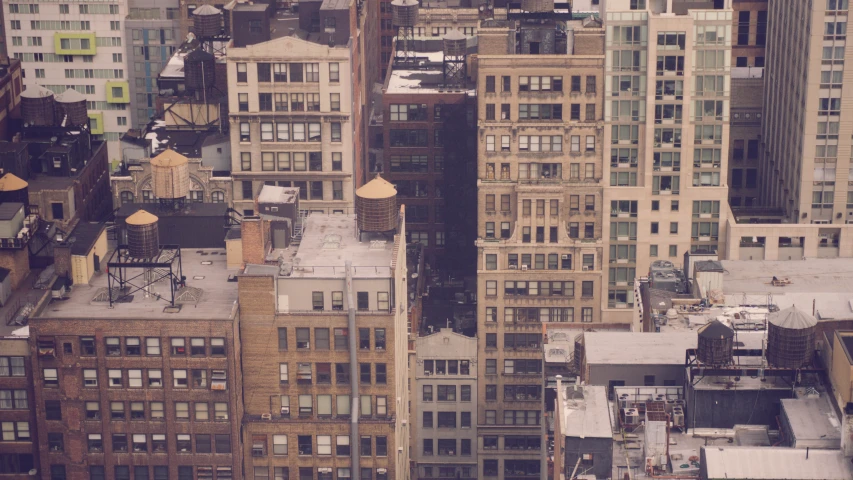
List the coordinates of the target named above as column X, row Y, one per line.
column 826, row 282
column 158, row 137
column 640, row 348
column 812, row 420
column 328, row 241
column 275, row 194
column 585, row 412
column 84, row 236
column 209, row 294
column 756, row 463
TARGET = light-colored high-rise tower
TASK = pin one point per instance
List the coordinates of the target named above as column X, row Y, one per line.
column 806, row 154
column 667, row 113
column 79, row 46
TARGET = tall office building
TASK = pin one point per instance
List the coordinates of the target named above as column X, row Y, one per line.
column 539, row 217
column 806, row 154
column 667, row 114
column 79, row 46
column 749, row 38
column 153, row 35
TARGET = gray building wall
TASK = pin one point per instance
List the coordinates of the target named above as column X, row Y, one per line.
column 602, row 456
column 635, row 375
column 444, row 345
column 716, row 408
column 150, row 39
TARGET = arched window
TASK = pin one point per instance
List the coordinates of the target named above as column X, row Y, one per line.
column 217, row 197
column 126, row 197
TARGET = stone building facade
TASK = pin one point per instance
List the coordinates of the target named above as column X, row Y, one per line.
column 540, row 249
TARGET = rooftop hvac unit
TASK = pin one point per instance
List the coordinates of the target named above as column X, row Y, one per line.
column 678, row 416
column 524, row 268
column 632, row 416
column 624, row 401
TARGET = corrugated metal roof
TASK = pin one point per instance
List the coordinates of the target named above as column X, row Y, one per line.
column 775, row 463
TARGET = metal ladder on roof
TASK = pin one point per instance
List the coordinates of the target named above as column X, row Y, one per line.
column 296, row 238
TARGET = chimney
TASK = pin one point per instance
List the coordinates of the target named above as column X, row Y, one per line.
column 254, row 243
column 62, row 259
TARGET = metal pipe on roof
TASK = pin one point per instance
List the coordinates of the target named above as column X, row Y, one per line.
column 353, row 371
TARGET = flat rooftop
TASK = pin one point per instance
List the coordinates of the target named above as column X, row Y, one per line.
column 425, row 76
column 812, row 419
column 826, row 282
column 647, row 348
column 585, row 412
column 208, row 294
column 776, row 463
column 328, row 242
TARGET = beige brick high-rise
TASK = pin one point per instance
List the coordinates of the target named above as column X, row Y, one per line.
column 806, row 156
column 301, row 412
column 539, row 220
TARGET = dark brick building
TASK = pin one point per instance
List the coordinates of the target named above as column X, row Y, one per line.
column 135, row 391
column 429, row 153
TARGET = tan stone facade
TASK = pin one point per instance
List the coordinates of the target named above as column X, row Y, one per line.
column 540, row 246
column 298, row 384
column 294, row 141
column 666, row 139
column 806, row 156
column 136, row 187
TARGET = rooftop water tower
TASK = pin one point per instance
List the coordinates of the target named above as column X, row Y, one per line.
column 455, row 49
column 37, row 106
column 71, row 109
column 404, row 17
column 376, row 206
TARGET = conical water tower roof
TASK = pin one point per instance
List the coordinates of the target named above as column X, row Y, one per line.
column 377, row 188
column 169, row 158
column 716, row 329
column 141, row 217
column 206, row 10
column 12, row 183
column 36, row 91
column 454, row 35
column 792, row 318
column 70, row 96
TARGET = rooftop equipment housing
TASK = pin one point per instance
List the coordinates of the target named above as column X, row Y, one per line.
column 376, row 206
